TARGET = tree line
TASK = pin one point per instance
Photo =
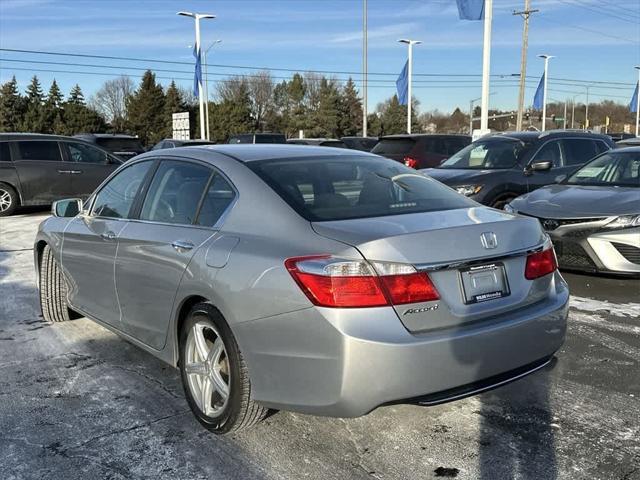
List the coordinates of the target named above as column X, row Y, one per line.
column 320, row 106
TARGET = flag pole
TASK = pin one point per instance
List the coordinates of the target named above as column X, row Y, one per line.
column 544, row 90
column 638, row 103
column 410, row 43
column 364, row 68
column 486, row 65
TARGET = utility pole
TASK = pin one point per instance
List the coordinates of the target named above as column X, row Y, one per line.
column 525, row 14
column 564, row 120
column 364, row 68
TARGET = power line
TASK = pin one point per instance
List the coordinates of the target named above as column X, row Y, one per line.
column 585, row 29
column 603, row 10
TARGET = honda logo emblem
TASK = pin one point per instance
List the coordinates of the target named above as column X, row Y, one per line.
column 489, row 240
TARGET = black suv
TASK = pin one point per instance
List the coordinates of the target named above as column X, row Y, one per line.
column 498, row 168
column 420, row 150
column 40, row 169
column 122, row 146
column 258, row 138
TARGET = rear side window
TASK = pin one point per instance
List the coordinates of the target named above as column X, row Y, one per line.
column 121, row 144
column 175, row 193
column 578, row 151
column 391, row 146
column 5, row 154
column 329, row 189
column 435, row 145
column 116, row 197
column 219, row 196
column 81, row 153
column 39, row 150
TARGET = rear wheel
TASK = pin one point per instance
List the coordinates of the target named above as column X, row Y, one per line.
column 9, row 200
column 214, row 375
column 53, row 289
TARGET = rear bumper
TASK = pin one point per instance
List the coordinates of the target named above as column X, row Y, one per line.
column 346, row 363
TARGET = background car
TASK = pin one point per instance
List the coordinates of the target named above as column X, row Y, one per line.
column 364, row 144
column 361, row 266
column 173, row 143
column 593, row 217
column 420, row 150
column 39, row 169
column 320, row 142
column 496, row 169
column 258, row 138
column 628, row 142
column 122, row 146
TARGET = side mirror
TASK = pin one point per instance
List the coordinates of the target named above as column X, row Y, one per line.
column 542, row 166
column 67, row 208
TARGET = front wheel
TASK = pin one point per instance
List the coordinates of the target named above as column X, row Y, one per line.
column 9, row 200
column 53, row 289
column 214, row 375
column 502, row 202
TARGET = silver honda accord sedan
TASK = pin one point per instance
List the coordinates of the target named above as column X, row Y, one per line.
column 311, row 279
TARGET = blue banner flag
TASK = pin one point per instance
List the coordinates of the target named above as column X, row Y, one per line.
column 471, row 9
column 197, row 77
column 538, row 99
column 402, row 85
column 633, row 105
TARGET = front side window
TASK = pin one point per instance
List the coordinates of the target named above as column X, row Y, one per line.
column 550, row 152
column 578, row 151
column 5, row 154
column 489, row 154
column 86, row 153
column 329, row 189
column 610, row 169
column 116, row 198
column 175, row 193
column 39, row 150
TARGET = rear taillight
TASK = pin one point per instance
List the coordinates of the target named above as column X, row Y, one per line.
column 332, row 282
column 540, row 264
column 411, row 162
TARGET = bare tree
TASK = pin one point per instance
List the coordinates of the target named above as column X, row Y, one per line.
column 233, row 89
column 261, row 91
column 111, row 101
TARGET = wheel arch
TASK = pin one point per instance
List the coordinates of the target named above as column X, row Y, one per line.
column 37, row 253
column 182, row 311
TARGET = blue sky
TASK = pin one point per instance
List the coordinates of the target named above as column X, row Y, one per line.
column 593, row 40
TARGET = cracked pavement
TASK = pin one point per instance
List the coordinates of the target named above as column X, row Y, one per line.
column 78, row 402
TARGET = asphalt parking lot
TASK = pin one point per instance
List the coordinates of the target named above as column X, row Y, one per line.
column 76, row 401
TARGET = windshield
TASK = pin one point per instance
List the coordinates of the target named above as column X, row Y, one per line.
column 619, row 169
column 121, row 144
column 487, row 155
column 336, row 189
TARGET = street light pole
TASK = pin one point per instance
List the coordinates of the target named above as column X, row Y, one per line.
column 486, row 65
column 637, row 67
column 410, row 44
column 573, row 110
column 544, row 90
column 206, row 86
column 364, row 68
column 197, row 17
column 586, row 111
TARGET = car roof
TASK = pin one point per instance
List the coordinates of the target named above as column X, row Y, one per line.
column 423, row 135
column 106, row 135
column 633, row 149
column 33, row 136
column 247, row 152
column 535, row 135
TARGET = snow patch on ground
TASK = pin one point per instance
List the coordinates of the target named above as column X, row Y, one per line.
column 593, row 305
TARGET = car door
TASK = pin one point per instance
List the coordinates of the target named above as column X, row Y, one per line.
column 175, row 218
column 91, row 165
column 44, row 176
column 90, row 244
column 550, row 151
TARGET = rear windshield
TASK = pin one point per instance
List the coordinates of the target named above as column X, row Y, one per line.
column 121, row 144
column 322, row 189
column 398, row 146
column 487, row 155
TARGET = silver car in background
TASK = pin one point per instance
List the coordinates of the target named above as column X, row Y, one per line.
column 593, row 217
column 311, row 279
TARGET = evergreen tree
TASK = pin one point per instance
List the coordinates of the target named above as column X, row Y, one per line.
column 297, row 91
column 350, row 110
column 76, row 97
column 231, row 116
column 34, row 119
column 326, row 118
column 11, row 106
column 172, row 104
column 146, row 110
column 53, row 110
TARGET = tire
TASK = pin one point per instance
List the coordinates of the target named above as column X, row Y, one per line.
column 500, row 202
column 9, row 200
column 236, row 411
column 53, row 290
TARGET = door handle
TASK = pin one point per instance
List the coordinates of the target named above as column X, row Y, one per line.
column 108, row 235
column 182, row 246
column 75, row 172
column 64, row 171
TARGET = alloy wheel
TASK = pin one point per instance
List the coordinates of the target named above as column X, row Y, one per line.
column 5, row 200
column 207, row 369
